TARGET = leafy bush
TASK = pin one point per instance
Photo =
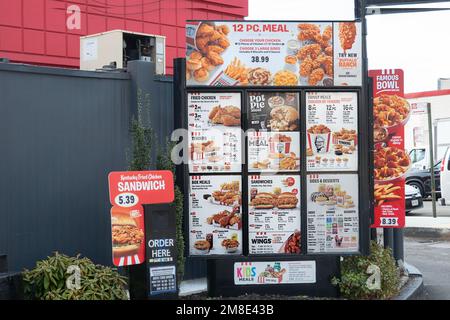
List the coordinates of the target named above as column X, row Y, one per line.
column 47, row 281
column 355, row 282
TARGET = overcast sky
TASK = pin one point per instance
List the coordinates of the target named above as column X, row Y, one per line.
column 418, row 43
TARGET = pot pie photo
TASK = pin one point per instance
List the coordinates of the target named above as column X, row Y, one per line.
column 283, row 118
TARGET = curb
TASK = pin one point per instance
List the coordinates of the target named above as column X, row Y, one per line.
column 418, row 232
column 413, row 287
column 191, row 287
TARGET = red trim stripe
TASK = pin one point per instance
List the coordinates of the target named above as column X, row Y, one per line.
column 424, row 94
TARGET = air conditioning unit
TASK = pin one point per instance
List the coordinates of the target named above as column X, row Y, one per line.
column 118, row 47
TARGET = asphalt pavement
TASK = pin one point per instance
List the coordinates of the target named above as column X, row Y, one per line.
column 426, row 211
column 432, row 258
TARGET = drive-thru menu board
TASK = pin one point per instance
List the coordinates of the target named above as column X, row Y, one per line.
column 249, row 146
column 332, row 219
column 332, row 131
column 241, row 53
column 215, row 215
column 274, row 214
column 214, row 121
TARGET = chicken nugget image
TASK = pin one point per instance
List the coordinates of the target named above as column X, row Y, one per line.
column 215, row 58
column 306, row 66
column 201, row 75
column 215, row 48
column 205, row 30
column 223, row 42
column 223, row 29
column 206, row 63
column 193, row 64
column 196, row 55
column 316, row 76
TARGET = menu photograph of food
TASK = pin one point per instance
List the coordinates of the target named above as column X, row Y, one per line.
column 274, row 214
column 214, row 125
column 274, row 111
column 332, row 131
column 215, row 215
column 347, row 53
column 273, row 152
column 332, row 213
column 128, row 235
column 247, row 53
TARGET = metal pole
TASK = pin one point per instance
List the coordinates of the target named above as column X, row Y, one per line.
column 431, row 150
column 398, row 244
column 388, row 238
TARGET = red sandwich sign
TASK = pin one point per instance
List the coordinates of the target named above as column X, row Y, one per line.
column 145, row 187
column 128, row 191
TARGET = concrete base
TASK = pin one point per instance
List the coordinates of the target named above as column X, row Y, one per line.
column 413, row 287
column 195, row 286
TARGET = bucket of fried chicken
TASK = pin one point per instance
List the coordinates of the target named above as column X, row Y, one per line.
column 280, row 144
column 319, row 137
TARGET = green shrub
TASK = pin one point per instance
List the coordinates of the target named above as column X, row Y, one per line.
column 353, row 283
column 47, row 281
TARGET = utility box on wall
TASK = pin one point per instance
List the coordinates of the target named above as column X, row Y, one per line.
column 119, row 47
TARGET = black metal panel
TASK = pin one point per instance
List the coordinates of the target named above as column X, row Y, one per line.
column 62, row 132
column 221, row 278
column 160, row 99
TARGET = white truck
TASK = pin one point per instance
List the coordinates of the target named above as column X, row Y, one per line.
column 420, row 155
column 416, row 129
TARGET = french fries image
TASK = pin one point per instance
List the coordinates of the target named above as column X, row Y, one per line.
column 237, row 71
column 386, row 192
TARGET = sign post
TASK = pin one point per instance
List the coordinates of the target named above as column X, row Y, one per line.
column 143, row 231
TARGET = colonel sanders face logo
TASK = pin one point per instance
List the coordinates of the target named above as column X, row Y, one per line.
column 319, row 142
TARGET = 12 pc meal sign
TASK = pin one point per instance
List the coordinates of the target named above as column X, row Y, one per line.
column 224, row 53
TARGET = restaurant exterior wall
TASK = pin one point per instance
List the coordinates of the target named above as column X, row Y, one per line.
column 47, row 32
column 63, row 131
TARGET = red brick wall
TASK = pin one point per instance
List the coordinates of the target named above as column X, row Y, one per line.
column 34, row 31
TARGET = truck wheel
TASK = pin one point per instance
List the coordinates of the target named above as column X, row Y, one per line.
column 417, row 186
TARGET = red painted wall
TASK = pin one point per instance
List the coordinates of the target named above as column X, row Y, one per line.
column 34, row 31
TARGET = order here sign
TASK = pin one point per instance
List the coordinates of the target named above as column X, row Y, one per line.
column 129, row 188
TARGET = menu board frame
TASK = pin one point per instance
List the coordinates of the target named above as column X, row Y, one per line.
column 364, row 160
